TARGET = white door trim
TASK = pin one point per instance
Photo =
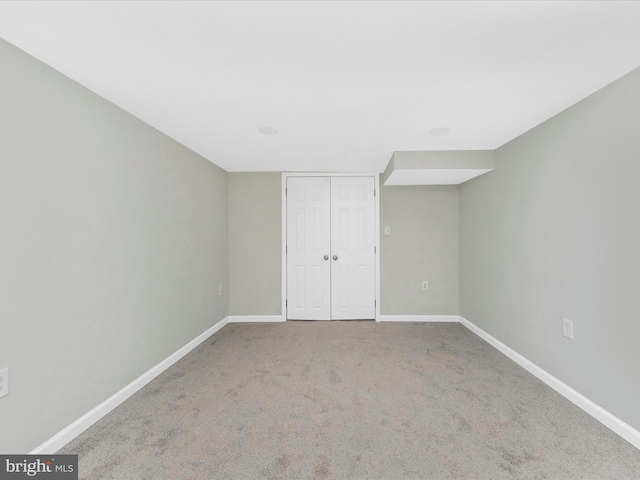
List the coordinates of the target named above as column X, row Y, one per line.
column 376, row 180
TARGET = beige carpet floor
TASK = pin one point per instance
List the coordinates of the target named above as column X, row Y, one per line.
column 349, row 400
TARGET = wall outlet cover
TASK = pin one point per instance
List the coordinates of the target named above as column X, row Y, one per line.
column 567, row 328
column 425, row 285
column 4, row 382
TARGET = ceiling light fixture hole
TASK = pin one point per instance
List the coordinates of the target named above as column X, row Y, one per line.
column 268, row 131
column 439, row 131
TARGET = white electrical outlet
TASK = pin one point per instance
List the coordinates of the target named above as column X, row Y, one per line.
column 425, row 285
column 220, row 290
column 4, row 382
column 387, row 230
column 567, row 328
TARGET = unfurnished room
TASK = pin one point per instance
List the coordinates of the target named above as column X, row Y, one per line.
column 355, row 240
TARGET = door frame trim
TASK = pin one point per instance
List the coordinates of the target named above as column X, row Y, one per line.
column 376, row 230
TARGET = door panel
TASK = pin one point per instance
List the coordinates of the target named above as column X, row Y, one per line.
column 333, row 217
column 352, row 242
column 308, row 241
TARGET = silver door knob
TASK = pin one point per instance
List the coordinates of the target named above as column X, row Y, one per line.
column 326, row 257
column 335, row 257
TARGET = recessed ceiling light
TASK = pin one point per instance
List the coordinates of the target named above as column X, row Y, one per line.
column 439, row 131
column 268, row 131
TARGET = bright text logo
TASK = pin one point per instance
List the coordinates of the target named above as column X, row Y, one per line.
column 49, row 467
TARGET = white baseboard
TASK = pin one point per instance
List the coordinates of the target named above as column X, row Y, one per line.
column 609, row 420
column 256, row 318
column 70, row 432
column 418, row 318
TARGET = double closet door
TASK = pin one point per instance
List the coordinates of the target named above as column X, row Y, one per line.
column 330, row 248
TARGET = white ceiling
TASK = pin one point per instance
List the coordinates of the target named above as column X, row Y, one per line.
column 344, row 83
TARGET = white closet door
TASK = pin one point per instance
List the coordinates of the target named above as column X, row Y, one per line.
column 308, row 248
column 352, row 248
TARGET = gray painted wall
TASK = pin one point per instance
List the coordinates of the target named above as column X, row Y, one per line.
column 423, row 245
column 553, row 233
column 114, row 241
column 255, row 232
